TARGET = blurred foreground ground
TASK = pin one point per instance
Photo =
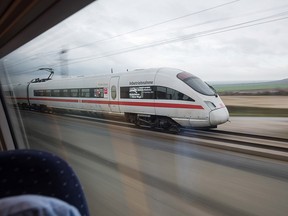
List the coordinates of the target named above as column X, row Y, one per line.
column 126, row 171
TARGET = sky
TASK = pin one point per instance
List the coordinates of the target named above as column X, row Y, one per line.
column 219, row 40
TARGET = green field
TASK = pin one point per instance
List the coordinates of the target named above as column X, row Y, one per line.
column 257, row 111
column 279, row 87
column 248, row 87
column 268, row 99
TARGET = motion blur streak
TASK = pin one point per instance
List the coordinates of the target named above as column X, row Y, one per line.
column 155, row 173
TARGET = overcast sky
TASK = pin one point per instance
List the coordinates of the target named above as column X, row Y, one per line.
column 219, row 40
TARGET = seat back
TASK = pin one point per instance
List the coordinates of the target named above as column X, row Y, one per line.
column 42, row 173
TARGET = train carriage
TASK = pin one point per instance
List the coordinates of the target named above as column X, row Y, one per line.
column 164, row 98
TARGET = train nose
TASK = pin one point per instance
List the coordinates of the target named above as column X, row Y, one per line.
column 219, row 116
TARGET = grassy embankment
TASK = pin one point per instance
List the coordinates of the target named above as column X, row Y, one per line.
column 269, row 99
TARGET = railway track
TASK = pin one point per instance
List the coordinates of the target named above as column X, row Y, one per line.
column 280, row 139
column 245, row 139
column 247, row 143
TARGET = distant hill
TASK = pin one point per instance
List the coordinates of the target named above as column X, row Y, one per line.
column 283, row 81
column 276, row 87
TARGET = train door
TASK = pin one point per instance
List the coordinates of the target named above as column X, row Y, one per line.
column 114, row 94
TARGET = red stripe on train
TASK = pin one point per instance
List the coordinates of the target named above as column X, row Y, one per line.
column 123, row 103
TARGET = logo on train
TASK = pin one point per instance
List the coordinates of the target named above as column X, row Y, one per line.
column 141, row 82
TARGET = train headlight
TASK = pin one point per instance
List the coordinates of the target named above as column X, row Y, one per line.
column 210, row 105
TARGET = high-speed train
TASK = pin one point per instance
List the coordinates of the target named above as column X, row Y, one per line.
column 163, row 98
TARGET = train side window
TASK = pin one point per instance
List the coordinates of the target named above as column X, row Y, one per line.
column 41, row 93
column 55, row 93
column 113, row 92
column 98, row 92
column 171, row 94
column 148, row 92
column 181, row 96
column 161, row 92
column 124, row 92
column 47, row 93
column 137, row 92
column 187, row 98
column 74, row 92
column 85, row 93
column 38, row 93
column 64, row 93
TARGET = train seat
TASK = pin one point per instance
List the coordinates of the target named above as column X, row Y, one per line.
column 40, row 173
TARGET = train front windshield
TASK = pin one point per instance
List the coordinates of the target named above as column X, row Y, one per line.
column 196, row 83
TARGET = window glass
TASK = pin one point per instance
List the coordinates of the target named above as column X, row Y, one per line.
column 55, row 93
column 124, row 92
column 38, row 92
column 138, row 92
column 47, row 93
column 74, row 92
column 64, row 92
column 187, row 98
column 98, row 92
column 127, row 153
column 195, row 83
column 173, row 94
column 161, row 92
column 85, row 93
column 113, row 92
column 148, row 92
column 170, row 94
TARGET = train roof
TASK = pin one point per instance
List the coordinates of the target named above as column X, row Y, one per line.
column 162, row 70
column 104, row 78
column 138, row 71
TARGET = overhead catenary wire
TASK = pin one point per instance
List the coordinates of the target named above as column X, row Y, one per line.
column 135, row 30
column 237, row 26
column 250, row 23
column 185, row 27
column 182, row 38
column 223, row 19
column 156, row 24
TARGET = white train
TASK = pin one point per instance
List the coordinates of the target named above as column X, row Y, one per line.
column 159, row 98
